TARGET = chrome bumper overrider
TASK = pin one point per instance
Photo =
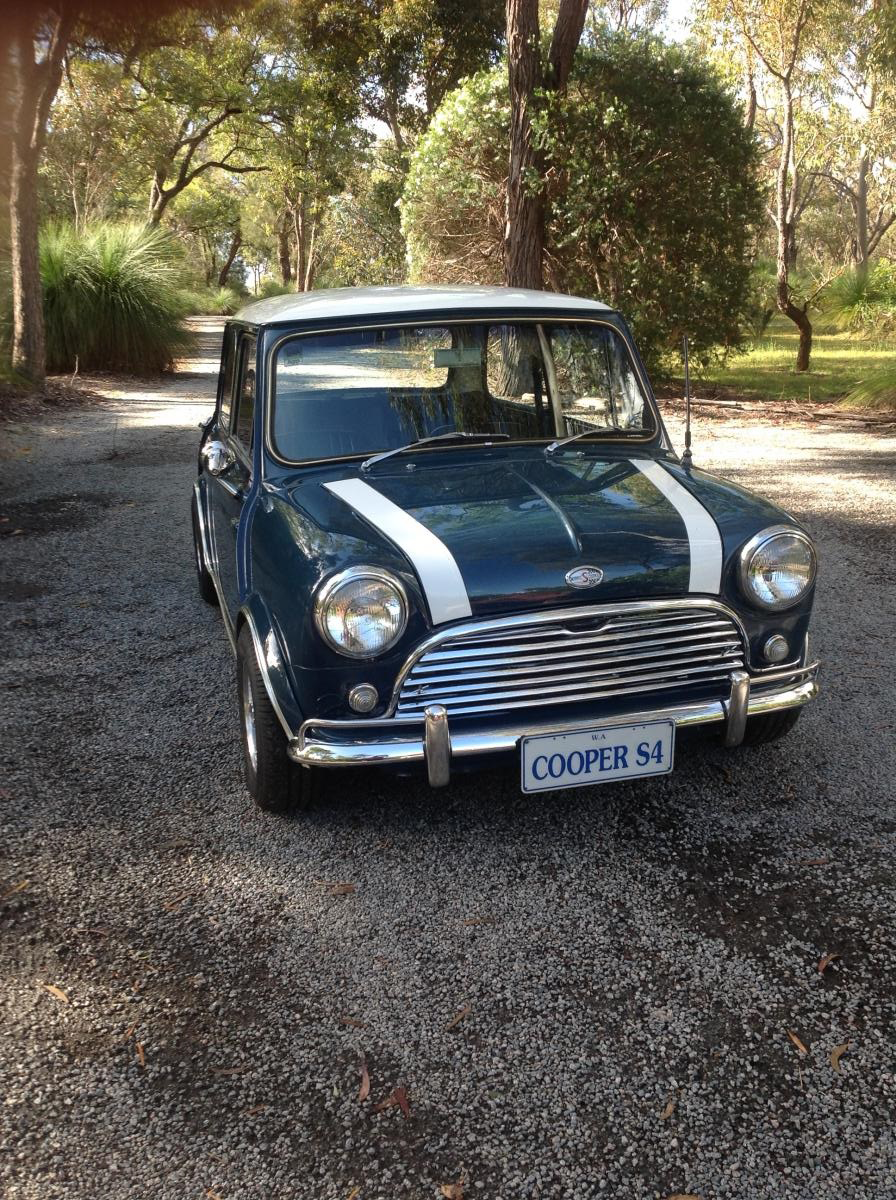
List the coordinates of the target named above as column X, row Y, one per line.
column 406, row 740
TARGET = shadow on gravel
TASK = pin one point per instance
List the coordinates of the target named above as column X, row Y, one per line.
column 52, row 514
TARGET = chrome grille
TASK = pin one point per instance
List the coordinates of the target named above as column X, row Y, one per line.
column 570, row 658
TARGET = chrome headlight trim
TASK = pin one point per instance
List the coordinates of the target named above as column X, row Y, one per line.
column 757, row 543
column 328, row 589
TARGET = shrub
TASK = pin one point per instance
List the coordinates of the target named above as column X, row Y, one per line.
column 212, row 302
column 863, row 301
column 110, row 300
column 273, row 287
column 650, row 184
column 876, row 392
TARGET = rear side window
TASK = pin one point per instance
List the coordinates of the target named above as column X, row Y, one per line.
column 225, row 378
column 245, row 402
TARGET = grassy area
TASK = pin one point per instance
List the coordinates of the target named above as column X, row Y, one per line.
column 839, row 361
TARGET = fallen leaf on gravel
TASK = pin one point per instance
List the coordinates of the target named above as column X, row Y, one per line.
column 458, row 1017
column 171, row 905
column 210, row 1195
column 16, row 887
column 339, row 889
column 354, row 1194
column 141, row 1056
column 684, row 1196
column 825, row 962
column 836, row 1054
column 796, row 1041
column 256, row 1109
column 453, row 1191
column 55, row 991
column 479, row 921
column 352, row 1022
column 816, row 862
column 668, row 1110
column 400, row 1098
column 129, row 1033
column 364, row 1089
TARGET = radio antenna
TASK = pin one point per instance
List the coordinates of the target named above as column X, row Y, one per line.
column 687, row 460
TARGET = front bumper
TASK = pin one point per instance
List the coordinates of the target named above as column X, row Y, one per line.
column 395, row 741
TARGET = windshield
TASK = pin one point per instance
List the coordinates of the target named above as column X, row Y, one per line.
column 363, row 391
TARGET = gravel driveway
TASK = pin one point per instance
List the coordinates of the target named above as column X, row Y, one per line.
column 583, row 994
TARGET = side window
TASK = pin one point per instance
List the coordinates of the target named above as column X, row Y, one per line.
column 225, row 377
column 245, row 401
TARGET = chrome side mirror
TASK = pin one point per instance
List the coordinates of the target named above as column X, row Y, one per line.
column 218, row 456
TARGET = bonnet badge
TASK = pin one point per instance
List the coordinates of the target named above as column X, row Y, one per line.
column 584, row 577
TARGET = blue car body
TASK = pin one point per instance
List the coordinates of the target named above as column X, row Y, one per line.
column 515, row 562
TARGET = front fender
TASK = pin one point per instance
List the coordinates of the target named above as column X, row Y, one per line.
column 271, row 662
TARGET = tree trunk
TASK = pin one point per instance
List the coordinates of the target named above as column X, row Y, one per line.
column 235, row 242
column 786, row 190
column 308, row 282
column 283, row 255
column 524, row 228
column 861, row 213
column 28, row 344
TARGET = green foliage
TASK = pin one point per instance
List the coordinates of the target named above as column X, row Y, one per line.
column 110, row 298
column 273, row 287
column 876, row 392
column 760, row 303
column 650, row 188
column 212, row 302
column 863, row 301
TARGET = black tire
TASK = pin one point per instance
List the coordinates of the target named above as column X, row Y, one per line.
column 770, row 726
column 203, row 577
column 275, row 783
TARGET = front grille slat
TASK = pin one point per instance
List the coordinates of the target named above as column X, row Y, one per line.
column 572, row 660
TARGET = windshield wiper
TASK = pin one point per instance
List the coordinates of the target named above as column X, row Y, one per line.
column 455, row 435
column 555, row 446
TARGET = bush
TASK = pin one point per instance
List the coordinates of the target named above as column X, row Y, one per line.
column 212, row 302
column 273, row 287
column 650, row 185
column 863, row 301
column 110, row 300
column 876, row 392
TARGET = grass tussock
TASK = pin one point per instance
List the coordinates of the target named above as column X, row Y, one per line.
column 111, row 300
column 212, row 302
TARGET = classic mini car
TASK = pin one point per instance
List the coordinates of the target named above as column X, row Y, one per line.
column 446, row 525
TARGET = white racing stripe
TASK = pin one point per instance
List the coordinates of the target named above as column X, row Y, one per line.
column 703, row 533
column 434, row 563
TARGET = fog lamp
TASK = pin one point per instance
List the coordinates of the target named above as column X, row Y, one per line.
column 363, row 698
column 776, row 649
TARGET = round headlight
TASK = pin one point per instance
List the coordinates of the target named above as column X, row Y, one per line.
column 777, row 568
column 361, row 612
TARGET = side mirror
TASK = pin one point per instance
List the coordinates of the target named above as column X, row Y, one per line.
column 218, row 456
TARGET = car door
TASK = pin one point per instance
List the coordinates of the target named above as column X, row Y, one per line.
column 228, row 487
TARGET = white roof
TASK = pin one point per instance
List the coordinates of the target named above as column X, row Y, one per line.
column 331, row 303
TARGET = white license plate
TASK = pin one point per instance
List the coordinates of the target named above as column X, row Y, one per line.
column 589, row 756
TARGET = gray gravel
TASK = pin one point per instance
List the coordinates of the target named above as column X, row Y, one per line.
column 625, row 952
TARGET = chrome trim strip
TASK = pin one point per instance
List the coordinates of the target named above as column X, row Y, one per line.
column 261, row 657
column 437, row 746
column 556, row 615
column 561, row 515
column 439, row 574
column 800, row 688
column 704, row 539
column 211, row 563
column 736, row 708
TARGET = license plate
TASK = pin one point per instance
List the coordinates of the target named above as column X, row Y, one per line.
column 598, row 755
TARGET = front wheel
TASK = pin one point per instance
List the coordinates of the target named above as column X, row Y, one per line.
column 768, row 727
column 275, row 783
